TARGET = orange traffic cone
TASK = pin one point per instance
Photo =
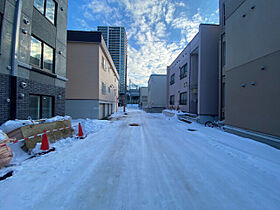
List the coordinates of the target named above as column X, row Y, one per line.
column 81, row 133
column 45, row 142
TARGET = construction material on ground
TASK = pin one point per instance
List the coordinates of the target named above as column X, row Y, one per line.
column 56, row 130
column 6, row 153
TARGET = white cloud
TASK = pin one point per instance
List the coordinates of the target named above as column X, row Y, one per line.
column 148, row 23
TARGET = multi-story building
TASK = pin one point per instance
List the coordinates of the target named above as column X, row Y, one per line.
column 192, row 78
column 156, row 93
column 92, row 88
column 133, row 95
column 116, row 41
column 32, row 59
column 249, row 68
column 143, row 97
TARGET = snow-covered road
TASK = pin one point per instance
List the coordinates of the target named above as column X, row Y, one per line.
column 157, row 165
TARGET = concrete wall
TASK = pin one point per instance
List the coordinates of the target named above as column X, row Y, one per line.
column 157, row 91
column 252, row 40
column 208, row 70
column 82, row 108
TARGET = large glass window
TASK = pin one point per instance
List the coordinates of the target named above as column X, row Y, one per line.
column 47, row 8
column 34, row 107
column 36, row 52
column 183, row 98
column 47, row 106
column 40, row 106
column 43, row 59
column 48, row 57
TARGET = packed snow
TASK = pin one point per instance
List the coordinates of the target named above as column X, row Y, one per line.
column 161, row 164
column 14, row 124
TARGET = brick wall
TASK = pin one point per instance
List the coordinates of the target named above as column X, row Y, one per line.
column 4, row 94
column 22, row 104
column 37, row 88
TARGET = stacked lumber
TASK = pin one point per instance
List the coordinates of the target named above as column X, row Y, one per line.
column 34, row 129
column 6, row 153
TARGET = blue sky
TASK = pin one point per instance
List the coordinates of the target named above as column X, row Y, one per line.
column 157, row 30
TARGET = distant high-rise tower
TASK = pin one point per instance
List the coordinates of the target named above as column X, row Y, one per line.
column 116, row 41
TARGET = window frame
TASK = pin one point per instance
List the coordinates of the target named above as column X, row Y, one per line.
column 181, row 101
column 184, row 71
column 103, row 63
column 103, row 89
column 45, row 11
column 41, row 67
column 172, row 100
column 41, row 104
column 172, row 79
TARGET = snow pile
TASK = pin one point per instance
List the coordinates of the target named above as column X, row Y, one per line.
column 14, row 124
column 57, row 118
column 132, row 105
column 89, row 125
column 2, row 135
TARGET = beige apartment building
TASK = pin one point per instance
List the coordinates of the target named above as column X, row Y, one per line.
column 249, row 99
column 92, row 89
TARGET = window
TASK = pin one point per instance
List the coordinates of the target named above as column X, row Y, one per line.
column 48, row 57
column 109, row 90
column 183, row 71
column 172, row 79
column 36, row 52
column 39, row 4
column 47, row 8
column 103, row 88
column 41, row 55
column 50, row 10
column 183, row 98
column 103, row 63
column 40, row 106
column 172, row 99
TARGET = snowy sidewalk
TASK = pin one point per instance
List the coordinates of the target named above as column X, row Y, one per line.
column 156, row 165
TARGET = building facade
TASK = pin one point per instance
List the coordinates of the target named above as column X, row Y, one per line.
column 192, row 78
column 249, row 67
column 156, row 93
column 143, row 97
column 133, row 96
column 32, row 59
column 92, row 88
column 116, row 41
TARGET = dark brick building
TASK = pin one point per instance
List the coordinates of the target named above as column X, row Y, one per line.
column 32, row 58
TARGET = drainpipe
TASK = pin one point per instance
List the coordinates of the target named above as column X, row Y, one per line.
column 14, row 57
